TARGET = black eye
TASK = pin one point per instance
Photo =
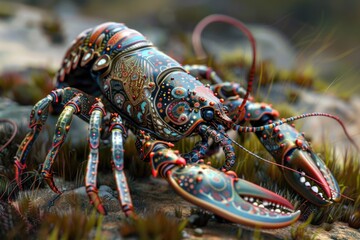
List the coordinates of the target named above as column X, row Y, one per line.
column 208, row 114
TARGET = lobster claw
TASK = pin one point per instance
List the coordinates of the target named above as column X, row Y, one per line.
column 311, row 178
column 315, row 181
column 236, row 200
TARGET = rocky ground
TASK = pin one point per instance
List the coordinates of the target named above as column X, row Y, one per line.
column 152, row 195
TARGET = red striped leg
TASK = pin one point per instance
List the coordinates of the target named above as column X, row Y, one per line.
column 61, row 130
column 97, row 112
column 117, row 133
column 38, row 118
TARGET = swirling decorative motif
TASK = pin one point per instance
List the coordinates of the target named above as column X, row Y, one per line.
column 178, row 111
column 204, row 183
column 175, row 105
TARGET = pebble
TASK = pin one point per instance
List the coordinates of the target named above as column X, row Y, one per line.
column 185, row 234
column 198, row 232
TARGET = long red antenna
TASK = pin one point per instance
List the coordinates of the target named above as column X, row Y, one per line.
column 200, row 53
column 15, row 128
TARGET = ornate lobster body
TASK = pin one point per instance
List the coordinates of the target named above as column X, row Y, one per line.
column 114, row 69
column 142, row 83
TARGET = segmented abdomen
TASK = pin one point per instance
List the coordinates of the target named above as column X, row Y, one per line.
column 86, row 51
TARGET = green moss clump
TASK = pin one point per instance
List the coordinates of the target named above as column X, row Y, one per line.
column 154, row 226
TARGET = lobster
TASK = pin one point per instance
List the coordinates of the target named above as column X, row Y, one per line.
column 113, row 78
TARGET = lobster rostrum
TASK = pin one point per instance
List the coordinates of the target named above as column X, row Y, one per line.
column 114, row 78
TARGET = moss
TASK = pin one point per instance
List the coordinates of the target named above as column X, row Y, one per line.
column 154, row 226
column 27, row 86
column 233, row 68
column 53, row 29
column 24, row 219
column 71, row 225
column 300, row 231
column 7, row 11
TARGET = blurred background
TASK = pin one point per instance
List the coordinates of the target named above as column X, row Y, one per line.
column 314, row 42
column 323, row 33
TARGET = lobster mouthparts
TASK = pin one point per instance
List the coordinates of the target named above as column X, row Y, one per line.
column 236, row 200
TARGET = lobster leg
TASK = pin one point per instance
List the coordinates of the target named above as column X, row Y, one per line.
column 198, row 152
column 97, row 112
column 62, row 127
column 203, row 72
column 201, row 148
column 118, row 132
column 221, row 138
column 74, row 102
column 220, row 88
column 215, row 191
column 38, row 118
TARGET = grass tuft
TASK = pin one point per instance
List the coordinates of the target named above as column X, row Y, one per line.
column 300, row 232
column 154, row 226
column 71, row 225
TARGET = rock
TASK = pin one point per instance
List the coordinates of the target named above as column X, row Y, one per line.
column 198, row 232
column 354, row 220
column 270, row 43
column 78, row 198
column 80, row 191
column 20, row 114
column 199, row 218
column 6, row 103
column 105, row 188
column 185, row 234
column 193, row 219
column 320, row 128
column 106, row 192
column 327, row 226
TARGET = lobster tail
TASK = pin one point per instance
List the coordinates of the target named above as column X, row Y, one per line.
column 93, row 51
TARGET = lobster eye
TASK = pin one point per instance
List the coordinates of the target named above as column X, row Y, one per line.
column 208, row 114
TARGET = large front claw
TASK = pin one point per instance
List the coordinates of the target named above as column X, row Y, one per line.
column 304, row 171
column 311, row 178
column 234, row 199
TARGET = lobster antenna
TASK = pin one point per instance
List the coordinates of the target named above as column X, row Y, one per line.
column 200, row 53
column 294, row 118
column 281, row 166
column 15, row 130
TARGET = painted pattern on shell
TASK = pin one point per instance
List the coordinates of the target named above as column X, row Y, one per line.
column 133, row 79
column 177, row 104
column 202, row 182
